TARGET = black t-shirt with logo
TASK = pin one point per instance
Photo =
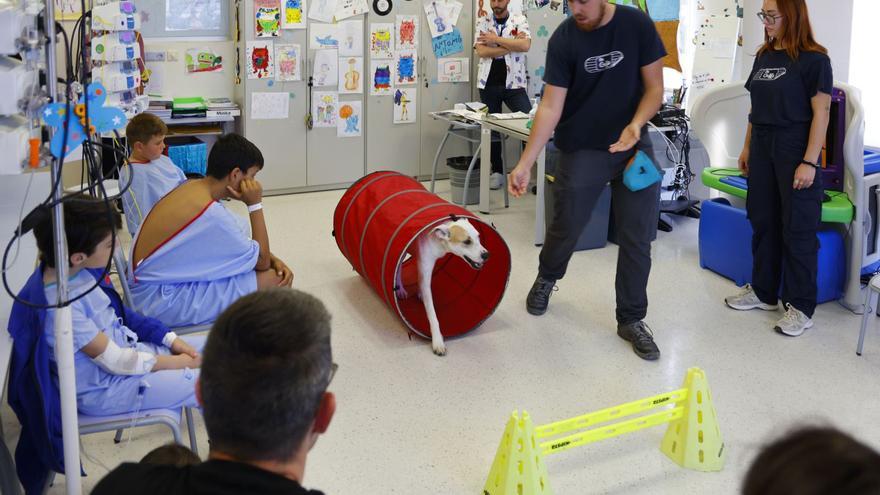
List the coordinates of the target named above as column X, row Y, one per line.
column 781, row 88
column 602, row 71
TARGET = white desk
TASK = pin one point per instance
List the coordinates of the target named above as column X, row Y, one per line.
column 515, row 128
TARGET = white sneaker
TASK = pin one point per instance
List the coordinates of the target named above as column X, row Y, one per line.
column 496, row 180
column 747, row 299
column 793, row 322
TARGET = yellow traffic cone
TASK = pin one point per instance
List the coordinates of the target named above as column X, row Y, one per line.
column 518, row 468
column 694, row 440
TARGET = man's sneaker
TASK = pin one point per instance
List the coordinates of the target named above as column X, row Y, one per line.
column 642, row 339
column 496, row 180
column 747, row 299
column 793, row 322
column 539, row 296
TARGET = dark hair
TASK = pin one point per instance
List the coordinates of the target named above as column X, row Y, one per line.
column 87, row 222
column 265, row 368
column 172, row 454
column 797, row 35
column 814, row 461
column 143, row 127
column 232, row 151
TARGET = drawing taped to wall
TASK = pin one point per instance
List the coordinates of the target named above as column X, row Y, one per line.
column 323, row 35
column 351, row 38
column 382, row 40
column 348, row 122
column 406, row 31
column 326, row 68
column 322, row 10
column 203, row 60
column 405, row 105
column 381, row 77
column 405, row 67
column 351, row 71
column 260, row 60
column 294, row 16
column 325, row 105
column 287, row 62
column 453, row 70
column 267, row 16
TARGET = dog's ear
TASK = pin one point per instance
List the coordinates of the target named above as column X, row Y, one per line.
column 441, row 232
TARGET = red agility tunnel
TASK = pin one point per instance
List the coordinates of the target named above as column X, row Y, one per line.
column 376, row 222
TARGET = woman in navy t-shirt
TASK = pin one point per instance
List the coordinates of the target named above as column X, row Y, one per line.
column 790, row 86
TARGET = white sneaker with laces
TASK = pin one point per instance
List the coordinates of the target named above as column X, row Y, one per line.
column 747, row 299
column 496, row 180
column 793, row 323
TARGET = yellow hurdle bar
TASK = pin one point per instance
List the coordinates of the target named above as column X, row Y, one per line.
column 613, row 430
column 611, row 413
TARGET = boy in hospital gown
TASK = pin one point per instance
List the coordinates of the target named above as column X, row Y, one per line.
column 190, row 258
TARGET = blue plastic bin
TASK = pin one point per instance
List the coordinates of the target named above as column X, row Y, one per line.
column 188, row 153
column 726, row 248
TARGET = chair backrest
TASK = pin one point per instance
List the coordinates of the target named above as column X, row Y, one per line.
column 121, row 263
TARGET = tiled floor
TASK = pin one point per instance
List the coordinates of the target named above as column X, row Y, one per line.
column 409, row 422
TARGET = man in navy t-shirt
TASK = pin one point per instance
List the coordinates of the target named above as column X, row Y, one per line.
column 604, row 82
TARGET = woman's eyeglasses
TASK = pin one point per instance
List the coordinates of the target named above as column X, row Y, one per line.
column 767, row 18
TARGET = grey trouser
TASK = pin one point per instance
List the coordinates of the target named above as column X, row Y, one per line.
column 580, row 178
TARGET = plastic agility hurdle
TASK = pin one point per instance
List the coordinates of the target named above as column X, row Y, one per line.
column 692, row 439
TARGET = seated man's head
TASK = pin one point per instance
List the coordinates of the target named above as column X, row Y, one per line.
column 234, row 158
column 265, row 371
column 88, row 225
column 145, row 134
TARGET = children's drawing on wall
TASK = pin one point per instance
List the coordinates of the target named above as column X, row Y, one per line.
column 349, row 8
column 437, row 14
column 294, row 15
column 405, row 105
column 67, row 10
column 268, row 17
column 351, row 71
column 406, row 67
column 535, row 4
column 203, row 60
column 323, row 36
column 322, row 10
column 351, row 38
column 325, row 108
column 260, row 60
column 406, row 30
column 453, row 70
column 381, row 40
column 380, row 77
column 350, row 117
column 287, row 62
column 326, row 68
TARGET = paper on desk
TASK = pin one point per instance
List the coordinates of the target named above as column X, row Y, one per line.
column 508, row 116
column 270, row 105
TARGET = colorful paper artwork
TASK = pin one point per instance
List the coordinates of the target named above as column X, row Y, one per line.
column 405, row 105
column 267, row 14
column 381, row 77
column 406, row 30
column 287, row 62
column 203, row 60
column 437, row 14
column 349, row 8
column 294, row 15
column 351, row 70
column 350, row 119
column 324, row 111
column 323, row 36
column 382, row 40
column 405, row 67
column 326, row 69
column 260, row 60
column 453, row 70
column 351, row 38
column 448, row 44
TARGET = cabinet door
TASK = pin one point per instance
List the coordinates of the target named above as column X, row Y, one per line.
column 282, row 141
column 434, row 95
column 392, row 146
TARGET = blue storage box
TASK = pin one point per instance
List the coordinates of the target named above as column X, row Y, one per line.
column 188, row 153
column 726, row 249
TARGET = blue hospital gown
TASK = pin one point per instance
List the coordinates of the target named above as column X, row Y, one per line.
column 151, row 181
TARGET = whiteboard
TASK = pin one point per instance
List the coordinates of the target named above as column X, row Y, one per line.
column 715, row 50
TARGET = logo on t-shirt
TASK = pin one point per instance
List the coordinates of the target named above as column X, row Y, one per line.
column 769, row 74
column 602, row 63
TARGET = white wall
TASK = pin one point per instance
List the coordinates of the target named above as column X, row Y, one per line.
column 864, row 72
column 831, row 20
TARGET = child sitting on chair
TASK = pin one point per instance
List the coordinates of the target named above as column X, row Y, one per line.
column 151, row 173
column 190, row 259
column 123, row 361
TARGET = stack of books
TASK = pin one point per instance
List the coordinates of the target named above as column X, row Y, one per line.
column 192, row 107
column 160, row 106
column 222, row 107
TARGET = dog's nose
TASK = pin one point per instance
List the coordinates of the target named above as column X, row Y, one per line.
column 485, row 255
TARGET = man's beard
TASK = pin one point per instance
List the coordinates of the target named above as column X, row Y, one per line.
column 593, row 24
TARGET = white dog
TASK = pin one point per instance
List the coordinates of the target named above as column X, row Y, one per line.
column 456, row 236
